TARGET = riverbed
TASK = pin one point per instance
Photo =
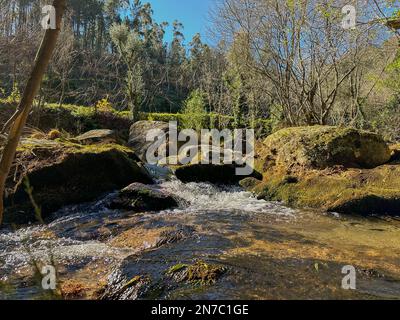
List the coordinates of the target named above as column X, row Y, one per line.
column 269, row 251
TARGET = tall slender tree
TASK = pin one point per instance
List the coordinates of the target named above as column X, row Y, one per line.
column 18, row 120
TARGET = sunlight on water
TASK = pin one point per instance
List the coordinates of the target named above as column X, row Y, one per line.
column 89, row 239
column 64, row 241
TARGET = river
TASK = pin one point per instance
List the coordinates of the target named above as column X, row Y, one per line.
column 269, row 251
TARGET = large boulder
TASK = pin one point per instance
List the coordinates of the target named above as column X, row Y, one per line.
column 348, row 191
column 335, row 169
column 321, row 147
column 61, row 174
column 138, row 197
column 218, row 174
column 138, row 133
column 222, row 174
column 201, row 167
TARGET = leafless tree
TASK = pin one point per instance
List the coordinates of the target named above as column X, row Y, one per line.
column 17, row 122
column 301, row 48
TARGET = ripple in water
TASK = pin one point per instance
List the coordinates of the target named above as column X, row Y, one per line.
column 61, row 242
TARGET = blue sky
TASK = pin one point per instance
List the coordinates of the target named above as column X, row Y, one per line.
column 192, row 13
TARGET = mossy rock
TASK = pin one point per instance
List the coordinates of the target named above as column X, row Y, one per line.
column 249, row 183
column 204, row 273
column 348, row 191
column 64, row 173
column 198, row 273
column 320, row 147
column 139, row 197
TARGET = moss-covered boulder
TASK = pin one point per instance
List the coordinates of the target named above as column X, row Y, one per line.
column 139, row 197
column 334, row 169
column 321, row 147
column 347, row 191
column 63, row 173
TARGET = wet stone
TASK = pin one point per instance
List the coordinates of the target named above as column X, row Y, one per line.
column 139, row 197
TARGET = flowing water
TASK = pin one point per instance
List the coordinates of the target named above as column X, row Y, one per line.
column 269, row 251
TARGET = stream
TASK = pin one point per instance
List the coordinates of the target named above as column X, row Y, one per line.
column 268, row 251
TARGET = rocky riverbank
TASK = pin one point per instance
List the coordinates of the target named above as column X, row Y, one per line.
column 335, row 169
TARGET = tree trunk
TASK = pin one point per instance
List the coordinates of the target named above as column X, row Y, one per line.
column 18, row 120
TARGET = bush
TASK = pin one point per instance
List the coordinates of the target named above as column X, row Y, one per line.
column 13, row 98
column 104, row 105
column 194, row 114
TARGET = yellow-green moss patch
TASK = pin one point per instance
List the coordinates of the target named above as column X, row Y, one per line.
column 359, row 191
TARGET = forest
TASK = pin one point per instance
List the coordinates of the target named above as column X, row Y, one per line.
column 302, row 68
column 84, row 213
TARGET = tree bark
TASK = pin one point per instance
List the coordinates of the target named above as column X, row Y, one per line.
column 18, row 120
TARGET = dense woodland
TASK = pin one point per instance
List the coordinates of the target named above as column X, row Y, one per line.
column 289, row 62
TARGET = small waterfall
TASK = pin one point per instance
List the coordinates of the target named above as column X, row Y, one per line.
column 76, row 236
column 206, row 197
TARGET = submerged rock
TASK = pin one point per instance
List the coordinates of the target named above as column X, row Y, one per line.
column 198, row 273
column 335, row 169
column 61, row 174
column 129, row 283
column 139, row 197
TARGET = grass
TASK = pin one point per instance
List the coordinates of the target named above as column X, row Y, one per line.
column 78, row 119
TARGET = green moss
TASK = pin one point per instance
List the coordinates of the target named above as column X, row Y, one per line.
column 177, row 268
column 134, row 281
column 198, row 273
column 6, row 290
column 204, row 273
column 249, row 183
column 321, row 147
column 70, row 147
column 63, row 173
column 368, row 191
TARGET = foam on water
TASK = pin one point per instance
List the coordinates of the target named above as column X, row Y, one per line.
column 205, row 197
column 22, row 248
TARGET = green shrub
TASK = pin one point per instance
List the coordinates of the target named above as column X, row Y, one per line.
column 194, row 114
column 15, row 95
column 104, row 105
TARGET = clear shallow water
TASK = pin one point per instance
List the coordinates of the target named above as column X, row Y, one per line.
column 272, row 252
